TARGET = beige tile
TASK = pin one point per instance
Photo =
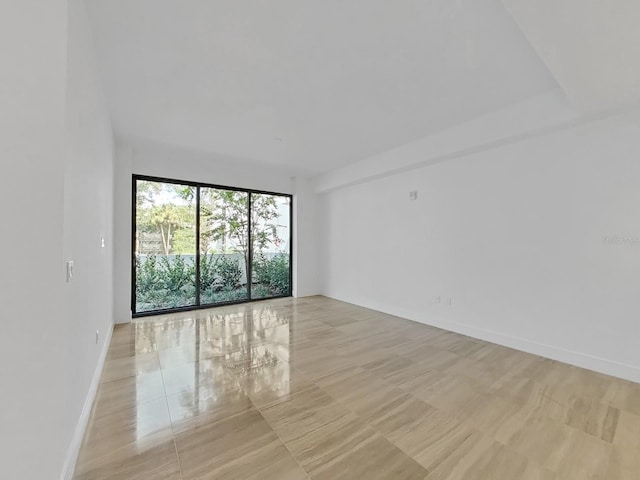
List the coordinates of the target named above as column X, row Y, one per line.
column 324, row 336
column 430, row 437
column 388, row 366
column 406, row 376
column 176, row 356
column 318, row 361
column 159, row 462
column 563, row 450
column 624, row 464
column 450, row 393
column 593, row 418
column 250, row 358
column 491, row 414
column 353, row 454
column 584, row 457
column 623, row 395
column 331, row 442
column 194, row 408
column 241, row 447
column 303, row 413
column 402, row 416
column 275, row 384
column 118, row 395
column 117, row 368
column 318, row 389
column 128, row 433
column 430, row 357
column 627, row 433
column 361, row 392
column 482, row 458
column 210, row 374
column 129, row 349
column 519, row 388
column 338, row 320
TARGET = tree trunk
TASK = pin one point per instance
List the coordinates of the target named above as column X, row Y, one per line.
column 164, row 243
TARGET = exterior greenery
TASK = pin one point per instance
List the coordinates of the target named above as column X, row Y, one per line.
column 271, row 276
column 165, row 270
column 220, row 280
column 161, row 283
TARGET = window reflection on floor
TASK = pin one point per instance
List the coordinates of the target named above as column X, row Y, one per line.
column 210, row 361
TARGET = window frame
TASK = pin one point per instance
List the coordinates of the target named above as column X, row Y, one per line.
column 198, row 185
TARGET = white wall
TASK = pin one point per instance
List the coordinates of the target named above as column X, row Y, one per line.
column 306, row 258
column 514, row 236
column 32, row 345
column 88, row 220
column 55, row 200
column 134, row 156
column 122, row 234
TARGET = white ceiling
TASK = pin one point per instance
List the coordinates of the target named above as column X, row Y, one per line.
column 307, row 85
column 592, row 47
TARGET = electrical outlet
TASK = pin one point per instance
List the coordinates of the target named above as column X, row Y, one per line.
column 438, row 299
column 448, row 301
column 413, row 195
column 97, row 336
column 69, row 271
column 101, row 242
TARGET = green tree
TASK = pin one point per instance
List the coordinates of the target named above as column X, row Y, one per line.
column 184, row 241
column 146, row 192
column 167, row 219
column 166, row 210
column 225, row 215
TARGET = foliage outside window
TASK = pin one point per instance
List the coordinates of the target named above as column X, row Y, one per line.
column 243, row 245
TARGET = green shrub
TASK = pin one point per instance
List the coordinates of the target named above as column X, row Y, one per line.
column 176, row 273
column 228, row 272
column 207, row 271
column 271, row 274
column 230, row 294
column 260, row 291
column 148, row 275
column 164, row 283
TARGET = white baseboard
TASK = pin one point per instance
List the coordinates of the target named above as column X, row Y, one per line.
column 579, row 359
column 76, row 442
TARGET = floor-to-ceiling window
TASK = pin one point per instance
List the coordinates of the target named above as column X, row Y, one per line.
column 270, row 245
column 200, row 245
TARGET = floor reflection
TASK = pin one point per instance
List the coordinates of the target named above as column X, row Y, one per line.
column 172, row 375
column 315, row 388
column 211, row 361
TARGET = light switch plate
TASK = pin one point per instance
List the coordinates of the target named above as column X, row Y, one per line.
column 69, row 271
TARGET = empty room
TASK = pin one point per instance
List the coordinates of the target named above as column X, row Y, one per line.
column 288, row 240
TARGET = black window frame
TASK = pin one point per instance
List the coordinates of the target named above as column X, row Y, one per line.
column 197, row 185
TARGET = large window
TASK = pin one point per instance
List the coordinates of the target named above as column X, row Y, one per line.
column 201, row 245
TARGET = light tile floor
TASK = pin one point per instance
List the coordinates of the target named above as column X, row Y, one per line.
column 314, row 388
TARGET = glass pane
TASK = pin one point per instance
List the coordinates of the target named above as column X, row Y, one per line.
column 270, row 215
column 165, row 246
column 224, row 245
